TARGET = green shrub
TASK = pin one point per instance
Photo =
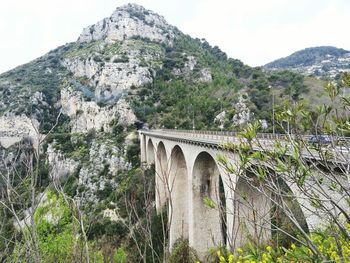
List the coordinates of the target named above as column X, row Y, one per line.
column 120, row 256
column 182, row 252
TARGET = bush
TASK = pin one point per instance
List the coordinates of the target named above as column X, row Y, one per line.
column 182, row 252
column 329, row 247
column 120, row 256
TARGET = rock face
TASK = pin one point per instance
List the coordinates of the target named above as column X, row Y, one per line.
column 60, row 165
column 130, row 21
column 205, row 75
column 87, row 115
column 105, row 160
column 220, row 119
column 192, row 71
column 14, row 128
column 111, row 80
column 94, row 175
column 243, row 114
column 87, row 68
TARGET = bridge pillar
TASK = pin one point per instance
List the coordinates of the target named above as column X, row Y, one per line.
column 178, row 201
column 162, row 177
column 206, row 222
column 142, row 138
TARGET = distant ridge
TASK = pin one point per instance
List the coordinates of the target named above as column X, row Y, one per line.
column 323, row 61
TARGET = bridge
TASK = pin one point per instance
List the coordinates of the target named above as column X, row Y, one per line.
column 188, row 173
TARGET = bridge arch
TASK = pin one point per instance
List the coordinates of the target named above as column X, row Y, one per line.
column 200, row 150
column 162, row 176
column 207, row 230
column 252, row 210
column 257, row 207
column 150, row 152
column 179, row 193
column 298, row 210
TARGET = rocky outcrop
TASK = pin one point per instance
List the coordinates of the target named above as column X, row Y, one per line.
column 60, row 165
column 192, row 70
column 82, row 68
column 97, row 173
column 205, row 75
column 112, row 215
column 111, row 80
column 263, row 124
column 105, row 161
column 130, row 21
column 220, row 119
column 87, row 115
column 14, row 128
column 242, row 112
column 117, row 78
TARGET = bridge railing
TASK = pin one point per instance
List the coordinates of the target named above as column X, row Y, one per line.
column 219, row 134
column 228, row 135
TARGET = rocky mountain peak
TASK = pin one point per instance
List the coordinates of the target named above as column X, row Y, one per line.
column 127, row 22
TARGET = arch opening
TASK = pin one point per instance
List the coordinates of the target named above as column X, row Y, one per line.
column 223, row 211
column 162, row 176
column 207, row 221
column 143, row 148
column 162, row 157
column 178, row 201
column 263, row 209
column 150, row 152
column 251, row 213
column 281, row 220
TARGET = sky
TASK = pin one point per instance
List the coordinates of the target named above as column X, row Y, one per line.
column 254, row 31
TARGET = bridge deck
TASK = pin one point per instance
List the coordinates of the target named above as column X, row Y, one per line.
column 262, row 142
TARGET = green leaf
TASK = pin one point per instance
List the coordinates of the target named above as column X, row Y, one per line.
column 208, row 202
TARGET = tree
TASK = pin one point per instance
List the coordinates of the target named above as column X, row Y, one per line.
column 302, row 177
column 25, row 191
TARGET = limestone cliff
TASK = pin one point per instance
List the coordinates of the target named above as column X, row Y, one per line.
column 87, row 115
column 127, row 22
column 14, row 128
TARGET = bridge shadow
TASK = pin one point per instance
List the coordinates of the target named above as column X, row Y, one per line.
column 265, row 210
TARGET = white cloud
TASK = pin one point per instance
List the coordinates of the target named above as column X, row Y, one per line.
column 254, row 31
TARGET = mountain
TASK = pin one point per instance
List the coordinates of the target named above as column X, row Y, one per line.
column 127, row 71
column 325, row 61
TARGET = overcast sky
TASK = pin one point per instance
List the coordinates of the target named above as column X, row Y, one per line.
column 254, row 31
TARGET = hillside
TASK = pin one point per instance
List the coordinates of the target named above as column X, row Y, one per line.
column 127, row 71
column 325, row 61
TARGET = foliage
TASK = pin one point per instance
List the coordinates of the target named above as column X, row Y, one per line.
column 145, row 226
column 58, row 234
column 326, row 243
column 272, row 170
column 171, row 100
column 120, row 256
column 182, row 252
column 181, row 101
column 133, row 152
column 43, row 75
column 75, row 146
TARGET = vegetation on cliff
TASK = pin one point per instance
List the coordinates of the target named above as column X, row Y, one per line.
column 92, row 178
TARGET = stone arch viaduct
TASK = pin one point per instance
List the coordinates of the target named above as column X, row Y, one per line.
column 188, row 173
